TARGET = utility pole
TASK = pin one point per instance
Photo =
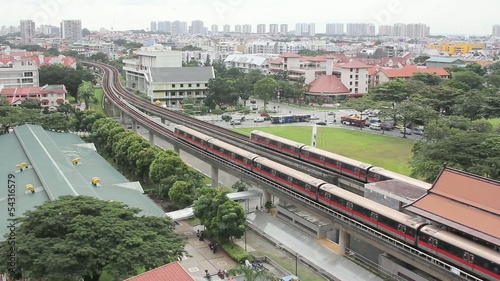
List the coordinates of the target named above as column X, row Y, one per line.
column 313, row 138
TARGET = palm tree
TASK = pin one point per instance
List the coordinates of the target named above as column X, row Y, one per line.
column 86, row 93
column 252, row 274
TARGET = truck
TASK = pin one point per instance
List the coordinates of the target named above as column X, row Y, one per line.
column 353, row 121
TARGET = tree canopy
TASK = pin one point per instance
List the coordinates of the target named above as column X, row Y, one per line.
column 57, row 74
column 77, row 238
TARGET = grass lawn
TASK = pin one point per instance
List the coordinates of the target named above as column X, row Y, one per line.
column 97, row 106
column 382, row 151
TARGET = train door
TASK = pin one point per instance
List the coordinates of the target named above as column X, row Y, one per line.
column 468, row 259
column 374, row 217
column 350, row 207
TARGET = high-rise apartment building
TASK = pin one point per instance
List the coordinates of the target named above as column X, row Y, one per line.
column 305, row 29
column 334, row 28
column 360, row 29
column 273, row 28
column 197, row 27
column 495, row 30
column 412, row 30
column 214, row 29
column 385, row 30
column 261, row 28
column 237, row 28
column 284, row 28
column 226, row 28
column 179, row 27
column 27, row 29
column 71, row 30
column 247, row 28
column 153, row 26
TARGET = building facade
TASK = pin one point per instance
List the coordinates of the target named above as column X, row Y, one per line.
column 71, row 30
column 261, row 28
column 214, row 29
column 284, row 28
column 226, row 28
column 27, row 29
column 247, row 29
column 495, row 30
column 19, row 74
column 334, row 28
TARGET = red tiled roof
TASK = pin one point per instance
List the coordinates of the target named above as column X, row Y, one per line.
column 354, row 64
column 290, row 55
column 465, row 202
column 328, row 84
column 276, row 61
column 169, row 272
column 410, row 70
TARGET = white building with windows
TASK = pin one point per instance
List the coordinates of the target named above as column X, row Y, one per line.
column 248, row 62
column 148, row 57
column 19, row 74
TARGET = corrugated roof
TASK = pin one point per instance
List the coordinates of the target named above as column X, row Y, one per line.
column 182, row 74
column 169, row 272
column 465, row 202
column 410, row 70
column 444, row 60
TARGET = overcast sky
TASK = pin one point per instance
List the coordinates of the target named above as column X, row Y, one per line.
column 444, row 17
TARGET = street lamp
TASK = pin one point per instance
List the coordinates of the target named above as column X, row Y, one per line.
column 296, row 262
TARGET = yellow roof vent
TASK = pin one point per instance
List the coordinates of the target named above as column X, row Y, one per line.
column 95, row 181
column 76, row 161
column 30, row 188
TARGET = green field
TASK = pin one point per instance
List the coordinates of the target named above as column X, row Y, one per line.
column 97, row 106
column 391, row 153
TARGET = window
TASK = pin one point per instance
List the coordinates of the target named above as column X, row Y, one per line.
column 189, row 85
column 173, row 85
column 357, row 76
column 182, row 85
column 27, row 80
column 28, row 74
column 350, row 83
column 350, row 76
column 197, row 85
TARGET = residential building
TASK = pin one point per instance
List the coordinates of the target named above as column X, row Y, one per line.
column 334, row 28
column 442, row 62
column 214, row 29
column 49, row 95
column 226, row 28
column 305, row 29
column 247, row 62
column 360, row 29
column 153, row 26
column 385, row 30
column 261, row 28
column 19, row 73
column 147, row 58
column 197, row 27
column 386, row 75
column 273, row 28
column 237, row 28
column 27, row 29
column 354, row 75
column 284, row 28
column 457, row 48
column 495, row 30
column 172, row 85
column 165, row 26
column 179, row 27
column 247, row 29
column 71, row 30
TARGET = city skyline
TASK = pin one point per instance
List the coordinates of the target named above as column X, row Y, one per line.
column 116, row 14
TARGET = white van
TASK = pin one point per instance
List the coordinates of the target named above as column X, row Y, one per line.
column 375, row 126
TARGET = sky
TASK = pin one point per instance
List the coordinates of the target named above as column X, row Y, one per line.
column 444, row 17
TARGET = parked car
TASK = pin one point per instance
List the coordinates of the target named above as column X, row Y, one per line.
column 331, row 113
column 375, row 126
column 235, row 122
column 226, row 117
column 418, row 132
column 314, row 117
column 264, row 114
column 322, row 123
column 388, row 125
column 253, row 101
column 408, row 131
column 259, row 119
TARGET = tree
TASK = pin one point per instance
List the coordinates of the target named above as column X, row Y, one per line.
column 100, row 56
column 86, row 93
column 58, row 74
column 470, row 78
column 240, row 186
column 420, row 60
column 427, row 78
column 229, row 222
column 78, row 237
column 252, row 274
column 181, row 194
column 52, row 52
column 31, row 104
column 393, row 91
column 264, row 89
column 476, row 67
column 86, row 32
column 206, row 206
column 220, row 92
column 361, row 104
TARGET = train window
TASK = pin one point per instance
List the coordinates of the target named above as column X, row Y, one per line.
column 356, row 170
column 273, row 172
column 374, row 216
column 308, row 186
column 430, row 240
column 399, row 227
column 349, row 205
column 466, row 256
column 403, row 229
column 435, row 242
column 293, row 149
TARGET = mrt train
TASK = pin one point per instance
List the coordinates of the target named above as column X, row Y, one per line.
column 460, row 252
column 334, row 162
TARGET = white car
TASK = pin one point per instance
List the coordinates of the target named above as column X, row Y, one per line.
column 259, row 119
column 314, row 117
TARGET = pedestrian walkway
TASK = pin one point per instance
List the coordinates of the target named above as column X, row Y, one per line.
column 308, row 248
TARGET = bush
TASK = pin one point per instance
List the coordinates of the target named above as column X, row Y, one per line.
column 236, row 252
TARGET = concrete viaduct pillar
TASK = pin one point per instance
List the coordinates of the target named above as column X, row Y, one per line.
column 122, row 118
column 344, row 239
column 215, row 176
column 134, row 126
column 162, row 120
column 177, row 149
column 151, row 137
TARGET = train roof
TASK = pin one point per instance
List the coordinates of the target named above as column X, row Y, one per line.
column 277, row 138
column 372, row 205
column 193, row 132
column 232, row 148
column 290, row 171
column 400, row 177
column 339, row 157
column 463, row 243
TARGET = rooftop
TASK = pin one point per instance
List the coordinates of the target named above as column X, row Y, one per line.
column 444, row 60
column 169, row 272
column 410, row 70
column 52, row 173
column 182, row 74
column 463, row 201
column 328, row 84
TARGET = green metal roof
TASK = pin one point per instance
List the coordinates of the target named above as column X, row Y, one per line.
column 444, row 60
column 52, row 173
